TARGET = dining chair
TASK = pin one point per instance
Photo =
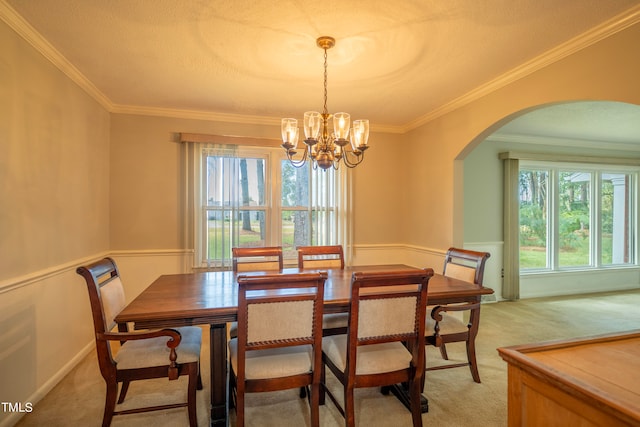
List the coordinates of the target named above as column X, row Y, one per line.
column 265, row 258
column 161, row 353
column 318, row 257
column 262, row 258
column 279, row 338
column 443, row 327
column 384, row 344
column 328, row 256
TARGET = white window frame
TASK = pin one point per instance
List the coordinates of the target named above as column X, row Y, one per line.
column 273, row 199
column 596, row 171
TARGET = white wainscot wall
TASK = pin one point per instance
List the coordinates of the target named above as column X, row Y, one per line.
column 45, row 321
column 578, row 282
column 46, row 326
column 45, row 330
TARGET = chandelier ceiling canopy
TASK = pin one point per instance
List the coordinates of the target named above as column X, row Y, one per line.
column 323, row 147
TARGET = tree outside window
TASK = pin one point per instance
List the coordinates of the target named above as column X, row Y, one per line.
column 567, row 221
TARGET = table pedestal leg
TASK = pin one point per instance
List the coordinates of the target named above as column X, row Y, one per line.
column 401, row 391
column 218, row 348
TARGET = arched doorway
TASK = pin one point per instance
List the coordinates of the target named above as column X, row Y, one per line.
column 595, row 128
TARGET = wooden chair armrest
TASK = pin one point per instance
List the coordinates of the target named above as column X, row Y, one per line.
column 436, row 312
column 173, row 341
column 126, row 336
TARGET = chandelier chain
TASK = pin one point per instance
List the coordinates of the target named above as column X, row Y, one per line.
column 325, row 82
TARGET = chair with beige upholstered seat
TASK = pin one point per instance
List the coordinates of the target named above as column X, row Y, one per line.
column 330, row 256
column 319, row 257
column 167, row 353
column 279, row 337
column 443, row 327
column 264, row 258
column 384, row 344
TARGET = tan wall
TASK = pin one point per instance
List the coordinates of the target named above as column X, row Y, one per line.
column 54, row 164
column 379, row 194
column 608, row 70
column 146, row 206
column 54, row 198
column 76, row 182
column 144, row 184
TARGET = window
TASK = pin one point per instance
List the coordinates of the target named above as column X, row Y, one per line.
column 235, row 206
column 309, row 207
column 576, row 217
column 252, row 196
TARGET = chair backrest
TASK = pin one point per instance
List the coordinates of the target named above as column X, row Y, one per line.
column 386, row 307
column 280, row 308
column 267, row 258
column 280, row 311
column 465, row 265
column 331, row 256
column 106, row 295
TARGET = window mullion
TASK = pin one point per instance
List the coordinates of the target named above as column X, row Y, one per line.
column 201, row 222
column 634, row 246
column 596, row 221
column 274, row 204
column 553, row 220
column 311, row 191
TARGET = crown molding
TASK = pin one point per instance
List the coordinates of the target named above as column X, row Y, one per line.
column 15, row 21
column 590, row 37
column 222, row 117
column 600, row 32
column 35, row 39
column 194, row 114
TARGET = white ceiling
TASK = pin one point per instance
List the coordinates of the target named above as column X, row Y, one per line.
column 586, row 124
column 396, row 63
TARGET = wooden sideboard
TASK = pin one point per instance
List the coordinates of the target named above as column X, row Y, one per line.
column 583, row 382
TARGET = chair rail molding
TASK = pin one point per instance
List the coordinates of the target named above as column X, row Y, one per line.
column 13, row 283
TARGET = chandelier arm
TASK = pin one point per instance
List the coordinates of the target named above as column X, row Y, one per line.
column 352, row 164
column 297, row 163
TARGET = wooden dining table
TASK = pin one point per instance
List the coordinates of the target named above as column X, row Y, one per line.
column 211, row 298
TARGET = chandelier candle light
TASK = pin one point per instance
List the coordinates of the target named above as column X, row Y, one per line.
column 325, row 150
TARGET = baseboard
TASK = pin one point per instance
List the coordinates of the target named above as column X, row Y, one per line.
column 13, row 418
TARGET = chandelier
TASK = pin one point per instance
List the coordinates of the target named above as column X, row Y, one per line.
column 325, row 150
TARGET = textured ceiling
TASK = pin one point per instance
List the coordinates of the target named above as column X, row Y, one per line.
column 395, row 62
column 615, row 123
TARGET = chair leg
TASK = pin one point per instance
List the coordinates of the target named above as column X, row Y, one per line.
column 109, row 404
column 192, row 404
column 232, row 390
column 473, row 364
column 443, row 352
column 123, row 391
column 200, row 387
column 416, row 408
column 315, row 405
column 349, row 409
column 239, row 404
column 323, row 384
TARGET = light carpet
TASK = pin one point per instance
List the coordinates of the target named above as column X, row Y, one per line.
column 454, row 399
